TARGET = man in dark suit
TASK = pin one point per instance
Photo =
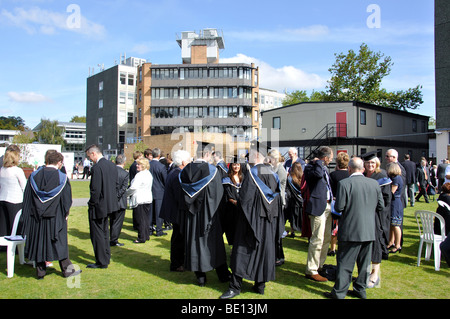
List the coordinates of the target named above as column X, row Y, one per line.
column 159, row 173
column 423, row 180
column 410, row 168
column 319, row 210
column 133, row 168
column 102, row 202
column 357, row 199
column 117, row 217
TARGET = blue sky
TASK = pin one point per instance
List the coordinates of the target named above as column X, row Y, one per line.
column 48, row 46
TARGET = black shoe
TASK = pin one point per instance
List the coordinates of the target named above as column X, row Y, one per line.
column 116, row 244
column 279, row 262
column 201, row 281
column 257, row 290
column 355, row 294
column 73, row 273
column 229, row 294
column 97, row 266
column 160, row 234
column 329, row 295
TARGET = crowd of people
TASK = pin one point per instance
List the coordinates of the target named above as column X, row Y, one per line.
column 354, row 212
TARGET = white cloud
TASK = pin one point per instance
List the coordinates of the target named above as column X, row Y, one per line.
column 287, row 77
column 37, row 20
column 28, row 97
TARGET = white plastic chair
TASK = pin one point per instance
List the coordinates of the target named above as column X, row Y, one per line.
column 12, row 242
column 429, row 237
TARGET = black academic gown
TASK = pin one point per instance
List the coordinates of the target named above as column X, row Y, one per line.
column 294, row 204
column 47, row 201
column 199, row 222
column 170, row 211
column 382, row 219
column 253, row 254
column 230, row 210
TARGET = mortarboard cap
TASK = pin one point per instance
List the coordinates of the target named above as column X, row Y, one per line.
column 370, row 155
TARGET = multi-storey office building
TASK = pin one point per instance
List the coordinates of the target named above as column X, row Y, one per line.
column 136, row 100
column 111, row 106
column 224, row 97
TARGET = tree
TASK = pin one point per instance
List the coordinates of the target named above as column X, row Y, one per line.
column 300, row 96
column 78, row 119
column 50, row 133
column 358, row 77
column 12, row 123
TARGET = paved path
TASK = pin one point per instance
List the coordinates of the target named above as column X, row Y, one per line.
column 79, row 202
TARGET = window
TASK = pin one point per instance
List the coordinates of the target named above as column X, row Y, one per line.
column 100, row 86
column 255, row 115
column 139, row 114
column 130, row 79
column 130, row 118
column 379, row 120
column 100, row 140
column 121, row 136
column 362, row 117
column 123, row 77
column 276, row 123
column 414, row 125
column 100, row 121
column 100, row 103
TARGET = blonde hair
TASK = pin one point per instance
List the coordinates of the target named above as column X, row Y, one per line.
column 11, row 158
column 143, row 162
column 393, row 169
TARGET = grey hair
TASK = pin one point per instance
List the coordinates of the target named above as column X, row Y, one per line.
column 120, row 159
column 181, row 156
column 356, row 163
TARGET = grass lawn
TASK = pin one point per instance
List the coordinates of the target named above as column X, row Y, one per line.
column 141, row 271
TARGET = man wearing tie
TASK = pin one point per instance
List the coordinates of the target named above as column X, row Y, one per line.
column 319, row 210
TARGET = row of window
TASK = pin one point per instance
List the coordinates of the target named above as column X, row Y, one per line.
column 379, row 122
column 202, row 73
column 243, row 132
column 203, row 93
column 200, row 112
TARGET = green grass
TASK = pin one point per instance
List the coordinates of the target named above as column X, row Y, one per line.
column 141, row 271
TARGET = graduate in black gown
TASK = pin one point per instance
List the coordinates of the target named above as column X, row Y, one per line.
column 173, row 202
column 46, row 205
column 200, row 223
column 231, row 185
column 253, row 253
column 382, row 219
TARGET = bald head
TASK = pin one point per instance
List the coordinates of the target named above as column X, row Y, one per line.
column 356, row 165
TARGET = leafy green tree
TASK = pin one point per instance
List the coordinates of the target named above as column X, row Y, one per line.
column 12, row 123
column 50, row 133
column 78, row 119
column 300, row 96
column 358, row 77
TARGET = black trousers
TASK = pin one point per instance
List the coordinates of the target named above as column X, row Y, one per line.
column 8, row 212
column 115, row 225
column 153, row 215
column 41, row 268
column 236, row 284
column 99, row 232
column 176, row 248
column 140, row 214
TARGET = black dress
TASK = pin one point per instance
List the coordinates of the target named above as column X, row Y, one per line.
column 230, row 210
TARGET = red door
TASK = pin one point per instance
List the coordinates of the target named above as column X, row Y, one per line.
column 341, row 124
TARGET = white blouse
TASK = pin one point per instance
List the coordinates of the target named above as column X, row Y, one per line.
column 12, row 184
column 140, row 189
